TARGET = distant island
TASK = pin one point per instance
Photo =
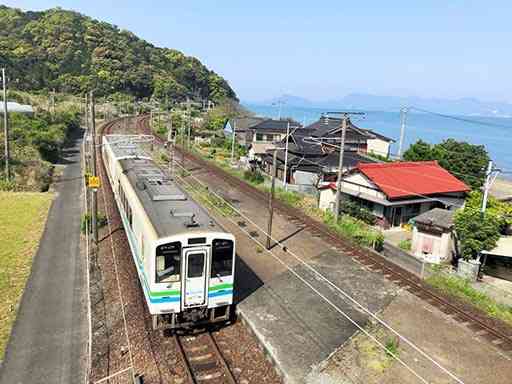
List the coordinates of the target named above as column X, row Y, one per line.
column 361, row 101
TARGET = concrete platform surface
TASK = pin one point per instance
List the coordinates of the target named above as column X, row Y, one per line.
column 47, row 343
column 297, row 327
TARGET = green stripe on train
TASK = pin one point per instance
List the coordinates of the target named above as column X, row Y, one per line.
column 220, row 286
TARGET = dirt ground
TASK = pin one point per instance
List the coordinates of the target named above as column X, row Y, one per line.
column 451, row 344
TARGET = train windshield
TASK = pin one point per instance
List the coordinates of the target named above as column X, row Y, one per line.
column 222, row 257
column 168, row 262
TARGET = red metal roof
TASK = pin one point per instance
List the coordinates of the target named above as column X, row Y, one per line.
column 402, row 179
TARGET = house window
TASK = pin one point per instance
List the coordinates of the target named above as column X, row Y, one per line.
column 259, row 137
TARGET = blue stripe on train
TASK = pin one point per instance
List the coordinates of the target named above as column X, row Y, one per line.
column 167, row 299
column 222, row 292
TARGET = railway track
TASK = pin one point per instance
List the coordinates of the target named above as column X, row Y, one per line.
column 497, row 332
column 204, row 361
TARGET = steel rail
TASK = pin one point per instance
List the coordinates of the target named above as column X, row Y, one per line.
column 394, row 272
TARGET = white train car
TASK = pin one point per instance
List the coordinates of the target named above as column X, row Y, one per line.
column 184, row 260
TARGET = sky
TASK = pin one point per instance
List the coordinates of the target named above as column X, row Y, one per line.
column 323, row 50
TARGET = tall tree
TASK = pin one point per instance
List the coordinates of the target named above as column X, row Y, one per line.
column 467, row 162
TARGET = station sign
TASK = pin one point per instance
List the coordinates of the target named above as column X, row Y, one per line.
column 93, row 182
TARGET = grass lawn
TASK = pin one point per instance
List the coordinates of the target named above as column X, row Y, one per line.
column 22, row 220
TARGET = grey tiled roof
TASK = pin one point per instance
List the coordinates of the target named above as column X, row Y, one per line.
column 438, row 217
column 331, row 127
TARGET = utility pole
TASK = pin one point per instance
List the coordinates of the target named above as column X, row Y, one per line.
column 183, row 145
column 170, row 140
column 489, row 181
column 6, row 127
column 403, row 122
column 94, row 209
column 86, row 118
column 340, row 167
column 52, row 102
column 285, row 183
column 271, row 198
column 189, row 122
column 344, row 121
column 233, row 142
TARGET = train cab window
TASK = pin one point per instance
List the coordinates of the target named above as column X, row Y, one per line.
column 195, row 265
column 168, row 262
column 222, row 257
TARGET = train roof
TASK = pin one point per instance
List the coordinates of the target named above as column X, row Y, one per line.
column 170, row 209
column 126, row 146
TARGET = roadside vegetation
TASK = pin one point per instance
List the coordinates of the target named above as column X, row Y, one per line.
column 462, row 289
column 21, row 226
column 36, row 140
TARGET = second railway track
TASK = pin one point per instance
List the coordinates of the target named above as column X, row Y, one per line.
column 498, row 333
column 204, row 361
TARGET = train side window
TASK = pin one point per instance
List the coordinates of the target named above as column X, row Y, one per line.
column 168, row 262
column 222, row 257
column 130, row 214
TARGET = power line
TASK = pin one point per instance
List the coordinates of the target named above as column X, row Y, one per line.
column 463, row 119
column 333, row 285
column 329, row 302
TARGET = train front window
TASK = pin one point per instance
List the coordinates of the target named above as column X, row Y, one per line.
column 222, row 257
column 195, row 265
column 168, row 262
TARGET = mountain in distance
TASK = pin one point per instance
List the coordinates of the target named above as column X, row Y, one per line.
column 69, row 52
column 360, row 101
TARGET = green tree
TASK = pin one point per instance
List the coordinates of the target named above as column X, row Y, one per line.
column 69, row 52
column 467, row 162
column 476, row 231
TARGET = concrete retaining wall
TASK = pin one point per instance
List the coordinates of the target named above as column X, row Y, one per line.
column 403, row 258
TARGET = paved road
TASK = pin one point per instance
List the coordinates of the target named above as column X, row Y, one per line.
column 47, row 344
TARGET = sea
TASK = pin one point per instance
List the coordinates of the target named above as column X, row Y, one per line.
column 495, row 133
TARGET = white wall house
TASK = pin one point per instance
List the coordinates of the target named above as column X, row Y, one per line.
column 432, row 238
column 397, row 192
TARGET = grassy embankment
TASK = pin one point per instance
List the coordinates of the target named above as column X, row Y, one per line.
column 23, row 219
column 462, row 289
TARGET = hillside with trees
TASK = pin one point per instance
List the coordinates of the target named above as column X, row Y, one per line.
column 71, row 53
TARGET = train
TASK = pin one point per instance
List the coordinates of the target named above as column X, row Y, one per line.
column 184, row 259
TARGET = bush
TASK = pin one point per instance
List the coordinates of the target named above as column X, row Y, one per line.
column 355, row 210
column 253, row 176
column 101, row 219
column 405, row 245
column 6, row 185
column 476, row 231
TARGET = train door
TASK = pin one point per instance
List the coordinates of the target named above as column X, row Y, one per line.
column 195, row 283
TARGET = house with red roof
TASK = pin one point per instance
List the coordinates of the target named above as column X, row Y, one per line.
column 396, row 192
